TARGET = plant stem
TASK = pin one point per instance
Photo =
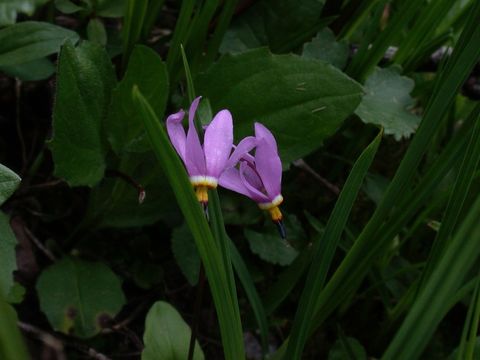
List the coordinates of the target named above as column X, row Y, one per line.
column 197, row 308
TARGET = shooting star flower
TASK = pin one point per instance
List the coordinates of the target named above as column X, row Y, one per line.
column 258, row 177
column 205, row 163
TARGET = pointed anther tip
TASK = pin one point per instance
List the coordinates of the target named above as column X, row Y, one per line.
column 281, row 229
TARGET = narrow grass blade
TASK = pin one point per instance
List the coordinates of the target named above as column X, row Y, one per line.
column 179, row 34
column 458, row 196
column 428, row 309
column 252, row 294
column 367, row 247
column 132, row 27
column 324, row 252
column 222, row 26
column 361, row 66
column 470, row 326
column 217, row 226
column 423, row 29
column 151, row 15
column 211, row 255
column 287, row 280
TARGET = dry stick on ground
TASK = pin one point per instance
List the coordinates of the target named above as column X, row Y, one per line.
column 301, row 164
column 39, row 244
column 58, row 344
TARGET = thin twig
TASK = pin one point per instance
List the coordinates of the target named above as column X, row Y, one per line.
column 58, row 344
column 39, row 244
column 46, row 338
column 128, row 179
column 301, row 164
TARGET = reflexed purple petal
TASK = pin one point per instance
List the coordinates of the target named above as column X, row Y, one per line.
column 193, row 109
column 243, row 147
column 261, row 132
column 194, row 156
column 217, row 143
column 255, row 194
column 252, row 176
column 269, row 167
column 176, row 132
column 230, row 179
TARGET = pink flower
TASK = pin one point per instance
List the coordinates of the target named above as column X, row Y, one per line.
column 205, row 163
column 259, row 177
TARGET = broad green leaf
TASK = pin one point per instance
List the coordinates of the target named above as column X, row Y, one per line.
column 271, row 247
column 79, row 297
column 103, row 8
column 68, row 7
column 12, row 346
column 325, row 47
column 167, row 336
column 9, row 182
column 31, row 40
column 110, row 8
column 128, row 212
column 125, row 129
column 96, row 32
column 347, row 348
column 302, row 101
column 84, row 85
column 386, row 103
column 35, row 70
column 265, row 23
column 185, row 253
column 8, row 259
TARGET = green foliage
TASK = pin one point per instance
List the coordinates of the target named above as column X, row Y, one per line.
column 210, row 253
column 35, row 70
column 264, row 24
column 401, row 241
column 271, row 247
column 324, row 47
column 167, row 336
column 9, row 9
column 96, row 32
column 84, row 85
column 185, row 253
column 347, row 348
column 8, row 259
column 9, row 182
column 124, row 126
column 387, row 102
column 79, row 297
column 325, row 250
column 30, row 40
column 308, row 99
column 427, row 311
column 12, row 346
column 104, row 8
column 132, row 28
